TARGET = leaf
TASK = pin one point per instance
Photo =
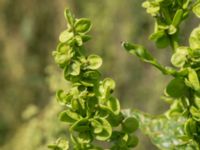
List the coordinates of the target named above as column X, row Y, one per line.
column 193, row 80
column 166, row 134
column 177, row 17
column 107, row 130
column 114, row 105
column 83, row 25
column 195, row 113
column 61, row 144
column 190, row 128
column 132, row 141
column 179, row 58
column 65, row 36
column 94, row 62
column 176, row 88
column 107, row 87
column 172, row 30
column 138, row 50
column 63, row 98
column 196, row 9
column 81, row 125
column 194, row 39
column 130, row 125
column 78, row 40
column 98, row 128
column 73, row 69
column 68, row 116
column 69, row 17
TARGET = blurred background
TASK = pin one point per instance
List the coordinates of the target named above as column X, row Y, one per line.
column 29, row 31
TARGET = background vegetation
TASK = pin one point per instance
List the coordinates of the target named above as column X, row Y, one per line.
column 28, row 78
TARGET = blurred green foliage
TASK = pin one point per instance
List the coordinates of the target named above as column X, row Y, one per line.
column 28, row 34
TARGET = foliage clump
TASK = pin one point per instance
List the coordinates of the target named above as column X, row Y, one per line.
column 92, row 112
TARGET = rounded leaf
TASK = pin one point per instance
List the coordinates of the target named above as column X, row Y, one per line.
column 176, row 88
column 130, row 125
column 195, row 38
column 196, row 9
column 83, row 25
column 180, row 56
column 65, row 36
column 132, row 141
column 94, row 62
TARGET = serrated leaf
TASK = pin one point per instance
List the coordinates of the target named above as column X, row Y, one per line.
column 83, row 25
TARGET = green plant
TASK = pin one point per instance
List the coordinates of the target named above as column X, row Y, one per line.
column 94, row 114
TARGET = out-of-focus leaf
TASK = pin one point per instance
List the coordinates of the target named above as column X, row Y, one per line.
column 166, row 134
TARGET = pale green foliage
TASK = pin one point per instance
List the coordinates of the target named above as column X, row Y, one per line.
column 92, row 112
column 179, row 127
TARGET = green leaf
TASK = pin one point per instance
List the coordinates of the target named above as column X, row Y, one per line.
column 63, row 98
column 86, row 38
column 132, row 141
column 165, row 133
column 83, row 25
column 69, row 116
column 195, row 113
column 179, row 58
column 85, row 137
column 94, row 62
column 79, row 40
column 98, row 128
column 190, row 128
column 61, row 144
column 65, row 36
column 130, row 125
column 195, row 38
column 107, row 130
column 73, row 69
column 193, row 80
column 152, row 7
column 177, row 17
column 172, row 30
column 196, row 9
column 107, row 87
column 138, row 50
column 114, row 105
column 81, row 125
column 69, row 17
column 176, row 88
